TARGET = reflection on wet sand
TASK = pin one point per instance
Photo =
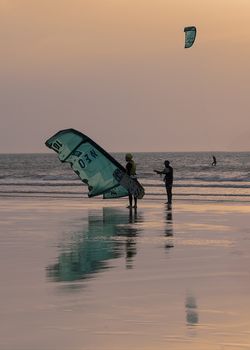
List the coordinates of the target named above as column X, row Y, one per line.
column 89, row 251
column 131, row 240
column 192, row 316
column 169, row 228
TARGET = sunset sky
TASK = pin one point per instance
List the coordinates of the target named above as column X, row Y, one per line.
column 117, row 71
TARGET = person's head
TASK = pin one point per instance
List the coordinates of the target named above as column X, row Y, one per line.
column 128, row 157
column 166, row 163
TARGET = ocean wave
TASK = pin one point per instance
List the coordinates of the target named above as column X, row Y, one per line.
column 211, row 185
column 43, row 184
column 160, row 184
column 221, row 178
column 41, row 177
column 64, row 179
column 199, row 185
column 42, row 192
column 148, row 193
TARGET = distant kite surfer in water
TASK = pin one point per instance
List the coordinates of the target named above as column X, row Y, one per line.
column 214, row 161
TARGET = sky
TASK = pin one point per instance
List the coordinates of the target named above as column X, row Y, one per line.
column 117, row 71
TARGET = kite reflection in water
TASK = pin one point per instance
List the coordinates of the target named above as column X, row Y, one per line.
column 109, row 235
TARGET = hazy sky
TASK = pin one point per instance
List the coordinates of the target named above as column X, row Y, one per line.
column 117, row 71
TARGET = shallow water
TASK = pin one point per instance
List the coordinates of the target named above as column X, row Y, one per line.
column 93, row 275
column 43, row 175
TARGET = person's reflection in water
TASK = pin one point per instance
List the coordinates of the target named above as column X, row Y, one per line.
column 87, row 252
column 169, row 228
column 130, row 231
column 192, row 317
column 131, row 240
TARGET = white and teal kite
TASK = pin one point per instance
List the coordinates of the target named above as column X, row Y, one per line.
column 190, row 35
column 96, row 168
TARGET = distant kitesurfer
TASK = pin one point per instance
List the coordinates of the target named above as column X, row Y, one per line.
column 131, row 171
column 168, row 179
column 214, row 161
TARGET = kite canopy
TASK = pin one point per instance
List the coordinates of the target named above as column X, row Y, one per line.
column 190, row 35
column 95, row 167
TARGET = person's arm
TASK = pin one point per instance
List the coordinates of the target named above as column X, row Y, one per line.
column 159, row 172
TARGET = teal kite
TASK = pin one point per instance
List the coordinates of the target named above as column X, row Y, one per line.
column 96, row 168
column 190, row 35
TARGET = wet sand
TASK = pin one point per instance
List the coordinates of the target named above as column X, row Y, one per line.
column 90, row 274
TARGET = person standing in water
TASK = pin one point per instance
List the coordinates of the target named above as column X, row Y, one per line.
column 131, row 171
column 214, row 161
column 168, row 179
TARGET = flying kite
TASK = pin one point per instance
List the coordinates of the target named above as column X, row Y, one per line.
column 190, row 35
column 96, row 168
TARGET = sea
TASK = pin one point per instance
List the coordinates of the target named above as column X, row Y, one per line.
column 43, row 175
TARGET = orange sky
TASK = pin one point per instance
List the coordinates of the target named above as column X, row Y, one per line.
column 117, row 71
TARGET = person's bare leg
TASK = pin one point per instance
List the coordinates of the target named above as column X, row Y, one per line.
column 135, row 201
column 169, row 193
column 130, row 197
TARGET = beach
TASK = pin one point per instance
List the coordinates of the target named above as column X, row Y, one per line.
column 90, row 274
column 121, row 99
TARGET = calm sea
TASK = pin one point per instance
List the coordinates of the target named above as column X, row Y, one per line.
column 40, row 175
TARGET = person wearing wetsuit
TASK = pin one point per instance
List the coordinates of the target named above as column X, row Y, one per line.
column 131, row 171
column 168, row 179
column 214, row 161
